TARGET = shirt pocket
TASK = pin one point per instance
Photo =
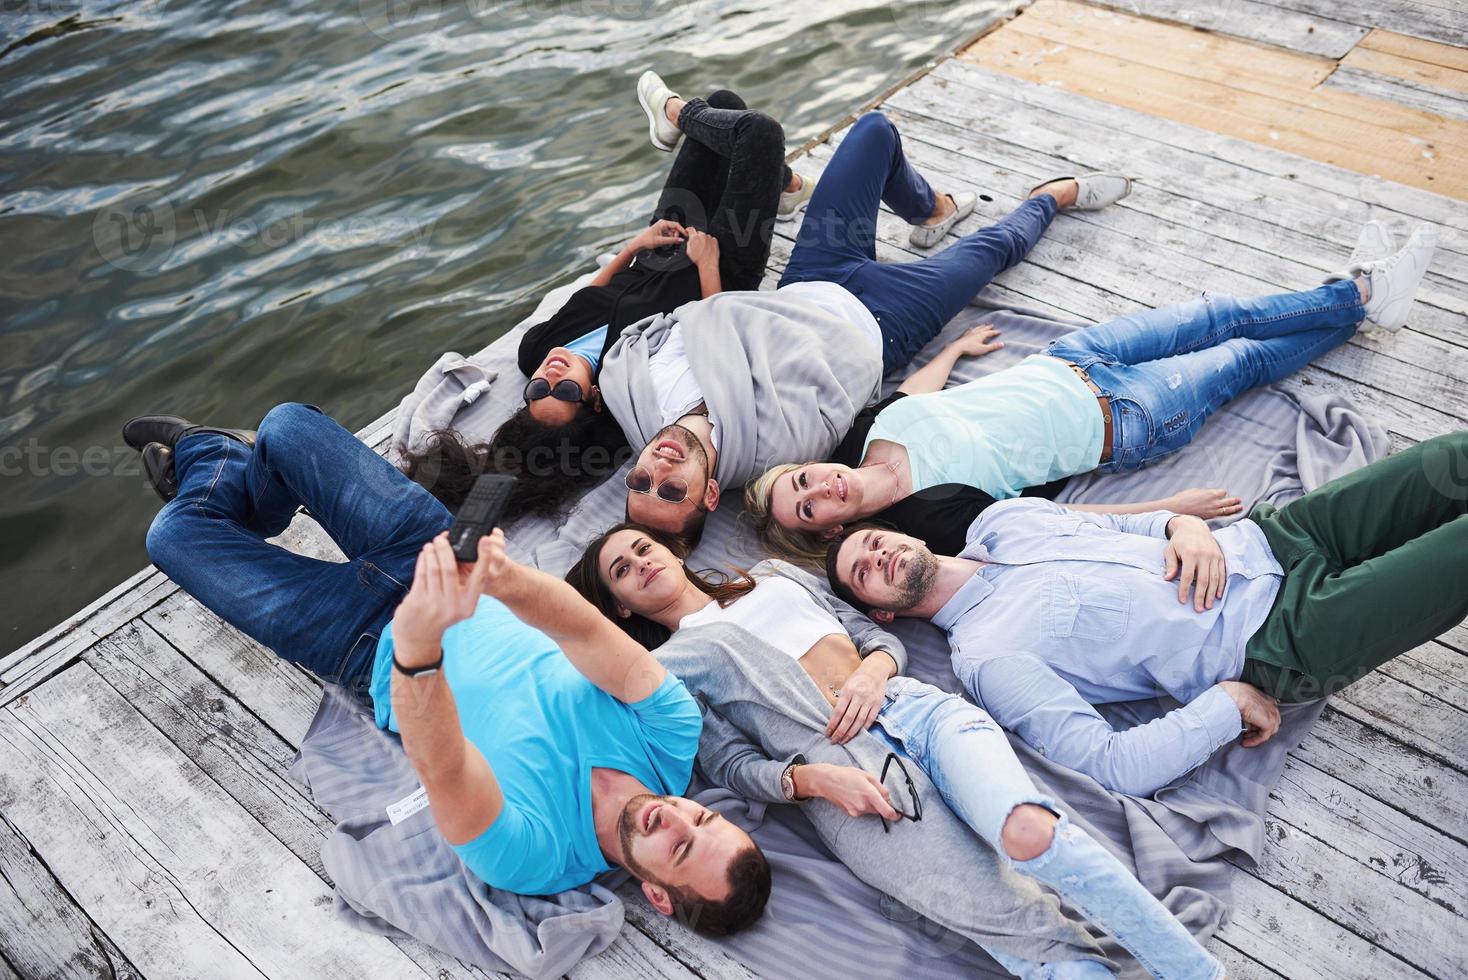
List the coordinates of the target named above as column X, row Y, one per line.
column 1088, row 609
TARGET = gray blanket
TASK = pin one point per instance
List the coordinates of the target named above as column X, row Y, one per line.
column 783, row 379
column 1268, row 445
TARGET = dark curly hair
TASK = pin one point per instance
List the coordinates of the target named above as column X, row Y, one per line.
column 554, row 464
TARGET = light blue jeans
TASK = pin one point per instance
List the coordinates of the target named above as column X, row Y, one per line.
column 1167, row 370
column 967, row 756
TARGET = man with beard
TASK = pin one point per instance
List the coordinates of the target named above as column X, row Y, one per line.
column 550, row 745
column 1050, row 611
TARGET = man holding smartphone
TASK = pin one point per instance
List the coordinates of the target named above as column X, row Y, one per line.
column 544, row 763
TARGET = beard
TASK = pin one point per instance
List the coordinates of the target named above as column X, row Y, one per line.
column 922, row 569
column 628, row 830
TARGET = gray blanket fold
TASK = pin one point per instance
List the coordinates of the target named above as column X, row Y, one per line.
column 1268, row 445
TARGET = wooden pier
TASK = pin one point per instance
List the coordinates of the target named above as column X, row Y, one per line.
column 147, row 826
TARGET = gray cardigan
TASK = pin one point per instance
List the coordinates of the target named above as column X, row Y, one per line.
column 761, row 710
column 782, row 378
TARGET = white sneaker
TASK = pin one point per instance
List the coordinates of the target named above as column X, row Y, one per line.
column 926, row 236
column 653, row 96
column 1375, row 242
column 1096, row 191
column 1394, row 279
column 792, row 201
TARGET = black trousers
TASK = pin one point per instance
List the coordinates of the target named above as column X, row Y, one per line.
column 726, row 180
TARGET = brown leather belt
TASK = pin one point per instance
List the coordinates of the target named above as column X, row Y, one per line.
column 1105, row 409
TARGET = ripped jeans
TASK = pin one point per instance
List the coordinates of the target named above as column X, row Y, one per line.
column 967, row 756
column 1167, row 370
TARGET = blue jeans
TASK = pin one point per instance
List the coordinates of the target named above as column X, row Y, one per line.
column 912, row 301
column 1167, row 370
column 324, row 615
column 967, row 756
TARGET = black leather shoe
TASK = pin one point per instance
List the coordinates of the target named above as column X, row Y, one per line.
column 158, row 468
column 162, row 429
column 167, row 430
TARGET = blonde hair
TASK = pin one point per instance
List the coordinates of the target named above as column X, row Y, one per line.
column 799, row 546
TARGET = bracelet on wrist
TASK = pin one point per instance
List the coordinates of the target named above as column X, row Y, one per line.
column 428, row 668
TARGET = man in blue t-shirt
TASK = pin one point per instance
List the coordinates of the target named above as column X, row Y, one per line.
column 551, row 745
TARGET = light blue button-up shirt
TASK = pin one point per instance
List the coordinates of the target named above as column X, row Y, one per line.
column 1072, row 611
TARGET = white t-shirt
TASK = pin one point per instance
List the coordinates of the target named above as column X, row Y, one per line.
column 839, row 302
column 673, row 382
column 777, row 610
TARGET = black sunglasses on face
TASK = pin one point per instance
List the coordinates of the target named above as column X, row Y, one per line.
column 917, row 801
column 565, row 390
column 673, row 490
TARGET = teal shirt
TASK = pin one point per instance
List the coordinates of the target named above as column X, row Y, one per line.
column 543, row 727
column 589, row 346
column 1017, row 428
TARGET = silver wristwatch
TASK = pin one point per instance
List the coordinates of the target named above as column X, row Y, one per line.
column 787, row 779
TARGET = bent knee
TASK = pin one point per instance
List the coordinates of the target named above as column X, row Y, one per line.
column 286, row 416
column 765, row 128
column 1028, row 831
column 725, row 99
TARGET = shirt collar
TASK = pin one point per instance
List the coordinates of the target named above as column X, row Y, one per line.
column 969, row 595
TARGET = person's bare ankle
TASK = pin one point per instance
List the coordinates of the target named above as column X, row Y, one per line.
column 673, row 108
column 796, row 182
column 1065, row 192
column 1363, row 286
column 942, row 208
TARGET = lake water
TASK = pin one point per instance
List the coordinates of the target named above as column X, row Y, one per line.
column 208, row 207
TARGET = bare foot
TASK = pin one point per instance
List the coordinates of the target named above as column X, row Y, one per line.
column 1064, row 191
column 942, row 208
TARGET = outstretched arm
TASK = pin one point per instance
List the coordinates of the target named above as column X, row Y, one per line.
column 1206, row 503
column 462, row 790
column 605, row 655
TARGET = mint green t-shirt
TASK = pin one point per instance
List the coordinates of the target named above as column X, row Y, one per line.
column 1017, row 428
column 543, row 727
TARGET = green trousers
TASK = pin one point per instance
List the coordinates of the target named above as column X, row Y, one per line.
column 1376, row 563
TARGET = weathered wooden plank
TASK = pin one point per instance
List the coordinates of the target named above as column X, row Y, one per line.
column 1253, row 20
column 1238, row 965
column 632, row 957
column 1383, row 912
column 1426, row 98
column 1378, row 837
column 1063, row 109
column 1300, row 943
column 181, row 877
column 1416, row 49
column 1278, row 76
column 1423, row 721
column 1429, row 74
column 34, row 662
column 280, row 694
column 1260, row 119
column 1375, row 763
column 43, row 934
column 1432, row 668
column 1443, row 23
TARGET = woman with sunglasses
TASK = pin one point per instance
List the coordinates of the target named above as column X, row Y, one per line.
column 632, row 575
column 710, row 232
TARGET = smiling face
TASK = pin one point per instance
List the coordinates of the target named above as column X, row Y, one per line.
column 559, row 365
column 674, row 458
column 886, row 570
column 819, row 497
column 673, row 842
column 642, row 575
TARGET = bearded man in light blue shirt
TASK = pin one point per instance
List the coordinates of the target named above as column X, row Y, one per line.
column 1050, row 611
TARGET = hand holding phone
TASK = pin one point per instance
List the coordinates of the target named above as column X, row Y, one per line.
column 479, row 514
